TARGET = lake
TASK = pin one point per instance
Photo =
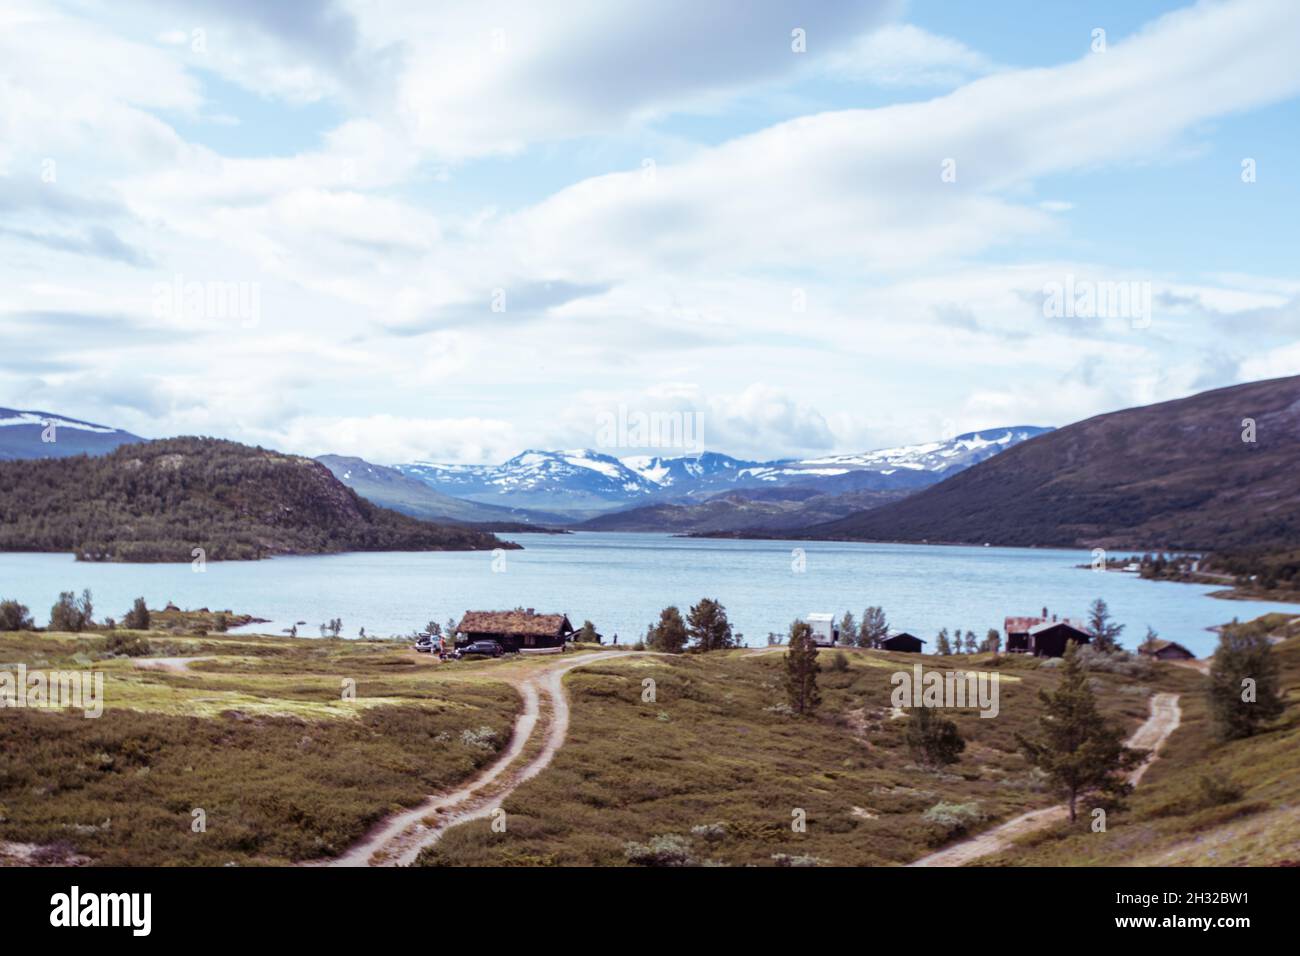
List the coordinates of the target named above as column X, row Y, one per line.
column 621, row 581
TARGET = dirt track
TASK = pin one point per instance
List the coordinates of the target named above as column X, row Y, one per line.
column 540, row 729
column 1155, row 730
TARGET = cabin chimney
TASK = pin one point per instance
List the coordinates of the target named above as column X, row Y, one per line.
column 1044, row 612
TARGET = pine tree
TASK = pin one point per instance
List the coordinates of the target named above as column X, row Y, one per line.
column 86, row 607
column 993, row 641
column 65, row 615
column 874, row 627
column 137, row 619
column 801, row 669
column 1149, row 641
column 709, row 627
column 1238, row 707
column 848, row 629
column 933, row 740
column 941, row 646
column 971, row 644
column 669, row 635
column 1105, row 632
column 15, row 617
column 1076, row 747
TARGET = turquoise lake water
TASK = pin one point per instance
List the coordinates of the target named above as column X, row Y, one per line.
column 621, row 581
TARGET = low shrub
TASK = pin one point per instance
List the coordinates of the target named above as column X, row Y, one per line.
column 118, row 644
column 666, row 849
column 952, row 819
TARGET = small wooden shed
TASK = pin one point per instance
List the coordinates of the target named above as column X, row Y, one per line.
column 901, row 641
column 1050, row 638
column 1163, row 650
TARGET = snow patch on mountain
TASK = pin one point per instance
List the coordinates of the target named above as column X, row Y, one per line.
column 10, row 416
column 588, row 478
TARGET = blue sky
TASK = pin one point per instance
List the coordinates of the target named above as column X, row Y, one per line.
column 453, row 233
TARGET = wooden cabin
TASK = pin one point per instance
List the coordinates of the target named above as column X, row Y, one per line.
column 521, row 630
column 1166, row 651
column 901, row 641
column 1049, row 639
column 1017, row 632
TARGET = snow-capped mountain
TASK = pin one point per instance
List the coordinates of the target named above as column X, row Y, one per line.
column 930, row 462
column 579, row 479
column 708, row 469
column 35, row 434
column 584, row 480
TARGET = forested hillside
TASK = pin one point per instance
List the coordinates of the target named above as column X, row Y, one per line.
column 158, row 501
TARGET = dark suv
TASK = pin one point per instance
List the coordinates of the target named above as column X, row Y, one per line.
column 487, row 648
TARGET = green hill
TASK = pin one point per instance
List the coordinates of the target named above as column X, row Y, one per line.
column 158, row 501
column 1176, row 475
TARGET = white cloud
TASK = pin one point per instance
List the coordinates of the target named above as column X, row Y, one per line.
column 393, row 439
column 902, row 54
column 862, row 189
column 677, row 289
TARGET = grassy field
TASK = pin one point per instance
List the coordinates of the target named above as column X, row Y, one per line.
column 714, row 770
column 254, row 731
column 1203, row 802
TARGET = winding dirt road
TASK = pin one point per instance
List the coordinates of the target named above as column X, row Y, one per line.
column 1155, row 730
column 539, row 732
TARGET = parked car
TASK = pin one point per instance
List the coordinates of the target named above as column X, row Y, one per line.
column 487, row 648
column 425, row 644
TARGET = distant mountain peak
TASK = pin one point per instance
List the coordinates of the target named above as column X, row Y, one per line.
column 586, row 479
column 26, row 434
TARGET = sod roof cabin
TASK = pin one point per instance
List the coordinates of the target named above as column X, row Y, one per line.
column 1020, row 634
column 522, row 629
column 1163, row 650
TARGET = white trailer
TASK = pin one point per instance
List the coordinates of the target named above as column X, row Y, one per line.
column 824, row 630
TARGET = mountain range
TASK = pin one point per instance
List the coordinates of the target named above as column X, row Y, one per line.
column 1212, row 472
column 1215, row 471
column 392, row 489
column 35, row 434
column 593, row 490
column 581, row 483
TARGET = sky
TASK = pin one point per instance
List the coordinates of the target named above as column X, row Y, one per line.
column 455, row 231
